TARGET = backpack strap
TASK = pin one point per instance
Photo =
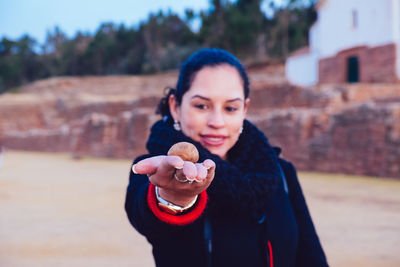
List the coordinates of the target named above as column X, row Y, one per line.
column 285, row 185
column 208, row 240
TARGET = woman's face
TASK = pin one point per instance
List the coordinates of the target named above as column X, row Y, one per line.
column 213, row 109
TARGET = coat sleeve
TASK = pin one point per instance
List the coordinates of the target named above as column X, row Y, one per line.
column 310, row 252
column 145, row 215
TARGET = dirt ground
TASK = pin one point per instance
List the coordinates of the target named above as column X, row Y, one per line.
column 59, row 212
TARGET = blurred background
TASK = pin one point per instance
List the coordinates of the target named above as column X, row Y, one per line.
column 79, row 83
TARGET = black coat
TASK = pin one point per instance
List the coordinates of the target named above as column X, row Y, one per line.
column 280, row 232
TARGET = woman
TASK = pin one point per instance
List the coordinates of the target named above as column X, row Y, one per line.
column 241, row 205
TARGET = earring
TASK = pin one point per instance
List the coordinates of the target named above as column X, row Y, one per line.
column 241, row 130
column 177, row 126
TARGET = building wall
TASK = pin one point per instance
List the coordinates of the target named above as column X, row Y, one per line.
column 303, row 69
column 396, row 16
column 314, row 38
column 398, row 60
column 376, row 64
column 368, row 29
column 335, row 31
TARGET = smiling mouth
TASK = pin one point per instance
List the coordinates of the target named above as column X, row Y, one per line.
column 213, row 140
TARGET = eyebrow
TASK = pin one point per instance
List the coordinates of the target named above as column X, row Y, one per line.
column 208, row 99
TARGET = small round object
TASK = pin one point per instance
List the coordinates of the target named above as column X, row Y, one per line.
column 185, row 150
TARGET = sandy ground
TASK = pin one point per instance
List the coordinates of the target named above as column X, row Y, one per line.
column 59, row 212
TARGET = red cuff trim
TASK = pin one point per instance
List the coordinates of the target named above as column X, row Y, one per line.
column 184, row 219
column 271, row 258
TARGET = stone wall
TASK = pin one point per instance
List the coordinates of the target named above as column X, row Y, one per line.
column 376, row 65
column 339, row 128
column 362, row 139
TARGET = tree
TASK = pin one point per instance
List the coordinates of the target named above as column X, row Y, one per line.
column 162, row 41
column 289, row 26
column 10, row 68
column 167, row 38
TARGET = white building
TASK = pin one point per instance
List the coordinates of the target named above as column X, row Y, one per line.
column 351, row 41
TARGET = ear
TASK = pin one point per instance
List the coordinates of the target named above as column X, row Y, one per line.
column 173, row 107
column 246, row 105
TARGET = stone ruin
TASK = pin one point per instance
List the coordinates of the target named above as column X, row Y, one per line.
column 337, row 128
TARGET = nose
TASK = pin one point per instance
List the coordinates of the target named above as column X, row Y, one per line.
column 216, row 119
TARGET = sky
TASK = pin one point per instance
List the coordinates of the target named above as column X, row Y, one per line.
column 36, row 17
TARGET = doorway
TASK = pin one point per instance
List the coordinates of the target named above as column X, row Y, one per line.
column 353, row 70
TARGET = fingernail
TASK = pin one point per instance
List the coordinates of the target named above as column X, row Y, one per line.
column 133, row 169
column 190, row 179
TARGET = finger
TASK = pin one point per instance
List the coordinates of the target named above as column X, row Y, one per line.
column 147, row 166
column 201, row 172
column 169, row 165
column 175, row 162
column 210, row 166
column 151, row 165
column 189, row 170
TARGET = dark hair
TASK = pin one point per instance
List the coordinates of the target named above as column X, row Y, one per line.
column 198, row 60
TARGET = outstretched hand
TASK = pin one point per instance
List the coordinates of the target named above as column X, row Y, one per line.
column 173, row 176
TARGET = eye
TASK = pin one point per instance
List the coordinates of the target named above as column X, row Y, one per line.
column 201, row 106
column 231, row 109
